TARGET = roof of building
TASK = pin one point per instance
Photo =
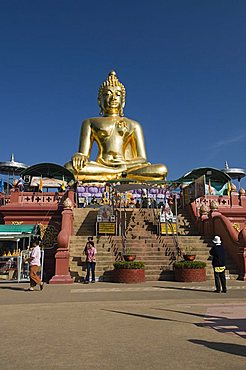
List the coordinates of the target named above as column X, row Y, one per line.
column 211, row 173
column 9, row 231
column 50, row 170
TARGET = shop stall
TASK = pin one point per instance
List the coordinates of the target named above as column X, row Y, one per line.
column 14, row 251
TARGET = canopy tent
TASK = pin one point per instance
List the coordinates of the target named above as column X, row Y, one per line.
column 148, row 186
column 128, row 187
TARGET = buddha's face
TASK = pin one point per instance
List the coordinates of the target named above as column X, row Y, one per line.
column 111, row 100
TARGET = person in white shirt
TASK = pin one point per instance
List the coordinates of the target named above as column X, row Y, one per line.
column 34, row 266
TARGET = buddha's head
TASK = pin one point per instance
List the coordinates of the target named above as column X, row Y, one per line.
column 112, row 96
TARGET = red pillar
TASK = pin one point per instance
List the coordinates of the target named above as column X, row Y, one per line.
column 62, row 275
column 243, row 200
column 213, row 214
column 14, row 196
column 70, row 195
column 204, row 221
column 234, row 199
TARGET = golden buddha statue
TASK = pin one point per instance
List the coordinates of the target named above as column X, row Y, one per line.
column 120, row 140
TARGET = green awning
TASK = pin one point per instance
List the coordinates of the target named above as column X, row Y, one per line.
column 7, row 229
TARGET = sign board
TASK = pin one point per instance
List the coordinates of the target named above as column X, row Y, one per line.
column 194, row 190
column 200, row 187
column 47, row 182
column 107, row 228
column 168, row 228
column 106, row 212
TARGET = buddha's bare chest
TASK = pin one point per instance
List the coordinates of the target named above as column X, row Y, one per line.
column 106, row 130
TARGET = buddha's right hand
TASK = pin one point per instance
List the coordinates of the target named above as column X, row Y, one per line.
column 79, row 160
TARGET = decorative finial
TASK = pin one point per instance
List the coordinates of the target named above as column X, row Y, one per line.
column 68, row 203
column 12, row 158
column 214, row 205
column 226, row 165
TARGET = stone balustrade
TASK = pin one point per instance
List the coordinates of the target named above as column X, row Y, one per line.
column 26, row 198
column 213, row 216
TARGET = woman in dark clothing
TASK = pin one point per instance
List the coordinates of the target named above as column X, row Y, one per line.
column 218, row 262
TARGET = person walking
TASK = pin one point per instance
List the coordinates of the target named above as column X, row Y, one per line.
column 34, row 266
column 218, row 263
column 90, row 252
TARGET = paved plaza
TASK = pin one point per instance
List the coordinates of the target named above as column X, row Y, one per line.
column 154, row 325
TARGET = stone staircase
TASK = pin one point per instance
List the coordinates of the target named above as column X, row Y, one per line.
column 157, row 252
column 84, row 221
column 189, row 239
column 105, row 257
column 185, row 224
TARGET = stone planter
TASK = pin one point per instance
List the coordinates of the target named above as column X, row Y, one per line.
column 129, row 276
column 190, row 275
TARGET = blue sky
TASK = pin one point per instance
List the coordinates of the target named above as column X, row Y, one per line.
column 182, row 63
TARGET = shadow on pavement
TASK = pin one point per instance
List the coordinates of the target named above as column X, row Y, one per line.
column 144, row 316
column 184, row 312
column 189, row 289
column 221, row 323
column 234, row 349
column 13, row 288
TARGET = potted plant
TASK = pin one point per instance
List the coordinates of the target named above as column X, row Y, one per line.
column 129, row 272
column 189, row 271
column 189, row 254
column 128, row 255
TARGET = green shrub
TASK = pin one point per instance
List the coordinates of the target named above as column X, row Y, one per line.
column 139, row 265
column 189, row 265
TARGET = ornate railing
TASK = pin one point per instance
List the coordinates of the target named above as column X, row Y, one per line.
column 32, row 198
column 42, row 197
